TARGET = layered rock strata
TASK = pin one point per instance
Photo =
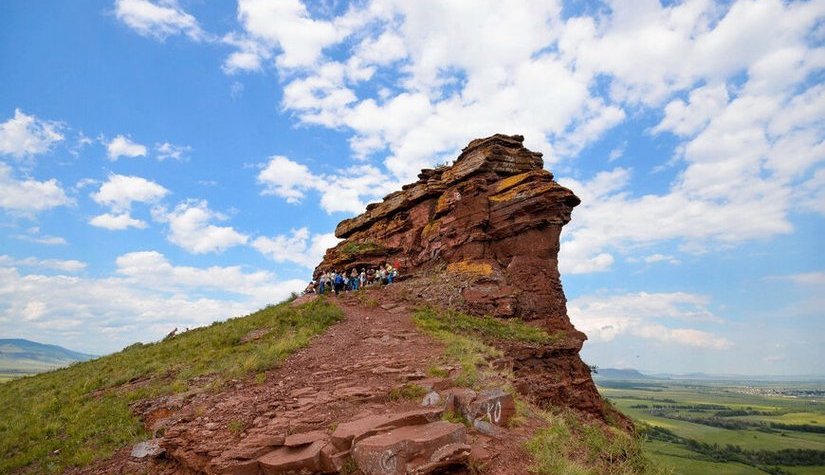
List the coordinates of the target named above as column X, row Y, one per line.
column 482, row 235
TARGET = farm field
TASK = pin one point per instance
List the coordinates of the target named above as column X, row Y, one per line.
column 727, row 427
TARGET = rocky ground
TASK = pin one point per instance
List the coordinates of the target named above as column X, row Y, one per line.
column 352, row 402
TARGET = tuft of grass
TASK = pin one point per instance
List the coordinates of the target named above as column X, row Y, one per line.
column 569, row 445
column 408, row 391
column 485, row 327
column 455, row 417
column 434, row 371
column 364, row 247
column 236, row 427
column 365, row 298
column 83, row 410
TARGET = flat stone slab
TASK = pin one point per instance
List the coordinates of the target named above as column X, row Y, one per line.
column 293, row 460
column 348, row 432
column 412, row 449
column 305, row 438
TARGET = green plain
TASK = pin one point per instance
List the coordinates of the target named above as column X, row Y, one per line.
column 667, row 401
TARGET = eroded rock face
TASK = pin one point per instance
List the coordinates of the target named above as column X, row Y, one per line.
column 482, row 235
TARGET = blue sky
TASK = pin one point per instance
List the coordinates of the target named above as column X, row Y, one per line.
column 171, row 163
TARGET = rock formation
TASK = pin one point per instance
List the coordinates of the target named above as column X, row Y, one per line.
column 482, row 236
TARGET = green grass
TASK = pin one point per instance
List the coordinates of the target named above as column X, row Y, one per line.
column 569, row 446
column 83, row 410
column 485, row 327
column 467, row 350
column 408, row 391
column 357, row 248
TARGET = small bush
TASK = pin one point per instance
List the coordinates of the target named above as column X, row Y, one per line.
column 408, row 391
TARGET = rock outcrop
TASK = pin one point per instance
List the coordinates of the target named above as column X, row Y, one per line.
column 482, row 235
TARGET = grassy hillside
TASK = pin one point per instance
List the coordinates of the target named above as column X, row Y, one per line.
column 83, row 410
column 19, row 357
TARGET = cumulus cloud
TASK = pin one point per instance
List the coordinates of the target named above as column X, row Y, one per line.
column 63, row 265
column 117, row 222
column 299, row 247
column 146, row 298
column 159, row 19
column 120, row 191
column 167, row 150
column 25, row 135
column 28, row 196
column 122, row 146
column 605, row 317
column 345, row 191
column 286, row 26
column 190, row 228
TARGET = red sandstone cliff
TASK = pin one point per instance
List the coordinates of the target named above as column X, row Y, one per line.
column 482, row 236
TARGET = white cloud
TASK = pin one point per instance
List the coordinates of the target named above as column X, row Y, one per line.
column 804, row 278
column 345, row 191
column 284, row 25
column 653, row 258
column 122, row 146
column 28, row 195
column 167, row 150
column 118, row 222
column 145, row 299
column 286, row 178
column 604, row 317
column 25, row 135
column 159, row 19
column 688, row 118
column 120, row 191
column 299, row 247
column 45, row 239
column 189, row 228
column 63, row 265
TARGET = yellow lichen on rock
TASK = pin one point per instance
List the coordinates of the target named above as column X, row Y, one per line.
column 511, row 181
column 472, row 268
column 522, row 191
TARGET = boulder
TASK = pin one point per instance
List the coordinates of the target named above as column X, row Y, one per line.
column 149, row 448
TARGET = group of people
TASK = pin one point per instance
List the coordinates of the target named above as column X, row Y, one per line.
column 343, row 281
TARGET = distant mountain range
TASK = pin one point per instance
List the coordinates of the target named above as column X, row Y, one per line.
column 19, row 356
column 629, row 374
column 625, row 374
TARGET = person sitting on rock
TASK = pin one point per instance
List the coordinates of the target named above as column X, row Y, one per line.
column 310, row 289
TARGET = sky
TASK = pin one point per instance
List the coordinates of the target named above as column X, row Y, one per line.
column 170, row 163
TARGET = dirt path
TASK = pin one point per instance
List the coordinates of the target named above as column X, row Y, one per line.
column 348, row 372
